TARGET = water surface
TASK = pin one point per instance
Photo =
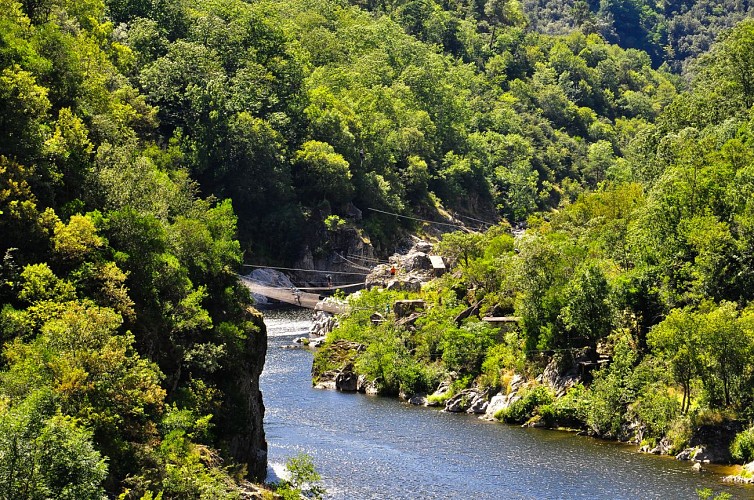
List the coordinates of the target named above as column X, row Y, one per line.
column 369, row 447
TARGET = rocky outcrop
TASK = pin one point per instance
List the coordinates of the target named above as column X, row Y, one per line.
column 469, row 400
column 746, row 476
column 711, row 443
column 344, row 249
column 560, row 375
column 346, row 380
column 403, row 308
column 411, row 270
column 339, row 357
column 499, row 402
column 418, row 400
column 322, row 324
column 240, row 418
column 443, row 389
column 365, row 386
column 662, row 448
column 503, row 400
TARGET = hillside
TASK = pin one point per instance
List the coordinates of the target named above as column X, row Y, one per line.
column 149, row 148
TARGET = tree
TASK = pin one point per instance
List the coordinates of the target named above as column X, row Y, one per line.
column 588, row 314
column 321, row 172
column 726, row 346
column 678, row 339
column 47, row 455
column 461, row 246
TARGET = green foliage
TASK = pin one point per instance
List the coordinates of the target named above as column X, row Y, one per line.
column 707, row 493
column 532, row 402
column 464, row 349
column 742, row 447
column 500, row 360
column 587, row 314
column 47, row 455
column 118, row 286
column 304, row 476
column 333, row 222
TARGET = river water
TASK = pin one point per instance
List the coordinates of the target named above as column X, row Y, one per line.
column 369, row 447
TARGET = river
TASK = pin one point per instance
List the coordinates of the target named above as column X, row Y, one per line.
column 369, row 447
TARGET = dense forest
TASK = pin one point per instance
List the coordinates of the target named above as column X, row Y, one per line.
column 650, row 272
column 149, row 147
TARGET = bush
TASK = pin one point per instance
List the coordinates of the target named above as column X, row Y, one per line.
column 501, row 359
column 523, row 409
column 656, row 409
column 742, row 447
column 415, row 377
column 570, row 410
column 464, row 349
column 679, row 434
column 605, row 407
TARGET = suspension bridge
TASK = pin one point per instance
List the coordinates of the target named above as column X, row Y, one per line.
column 301, row 297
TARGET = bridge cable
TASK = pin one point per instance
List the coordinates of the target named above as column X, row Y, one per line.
column 418, row 219
column 303, row 270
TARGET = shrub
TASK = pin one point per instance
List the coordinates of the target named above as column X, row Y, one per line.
column 415, row 377
column 656, row 409
column 606, row 408
column 679, row 434
column 742, row 447
column 501, row 359
column 570, row 410
column 523, row 409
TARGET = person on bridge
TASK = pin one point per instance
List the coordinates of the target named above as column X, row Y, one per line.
column 329, row 281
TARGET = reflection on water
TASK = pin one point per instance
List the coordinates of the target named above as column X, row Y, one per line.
column 370, row 447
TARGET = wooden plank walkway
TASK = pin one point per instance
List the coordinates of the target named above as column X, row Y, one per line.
column 294, row 296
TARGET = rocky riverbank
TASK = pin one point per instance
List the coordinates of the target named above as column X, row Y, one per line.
column 709, row 444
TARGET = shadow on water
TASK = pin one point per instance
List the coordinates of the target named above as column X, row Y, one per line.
column 372, row 447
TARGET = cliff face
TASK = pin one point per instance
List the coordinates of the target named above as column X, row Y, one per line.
column 240, row 418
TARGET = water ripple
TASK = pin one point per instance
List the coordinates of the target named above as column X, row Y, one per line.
column 369, row 447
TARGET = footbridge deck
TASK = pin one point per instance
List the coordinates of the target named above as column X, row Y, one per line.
column 295, row 296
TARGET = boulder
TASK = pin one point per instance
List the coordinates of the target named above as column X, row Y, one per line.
column 421, row 246
column 402, row 308
column 316, row 343
column 413, row 269
column 715, row 440
column 689, row 454
column 346, row 381
column 499, row 402
column 560, row 378
column 404, row 285
column 458, row 403
column 322, row 324
column 417, row 261
column 746, row 476
column 516, row 383
column 418, row 399
column 662, row 448
column 479, row 404
column 468, row 400
column 365, row 386
column 326, row 380
column 342, row 354
column 441, row 390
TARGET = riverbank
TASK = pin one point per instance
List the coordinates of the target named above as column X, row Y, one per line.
column 446, row 342
column 379, row 447
column 545, row 402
